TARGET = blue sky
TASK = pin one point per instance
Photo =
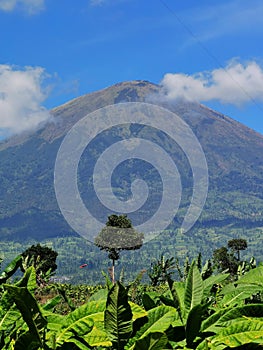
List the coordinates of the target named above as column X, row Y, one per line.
column 56, row 50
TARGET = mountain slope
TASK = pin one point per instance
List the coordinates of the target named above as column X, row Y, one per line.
column 28, row 207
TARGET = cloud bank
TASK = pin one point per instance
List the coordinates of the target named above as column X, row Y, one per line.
column 21, row 97
column 30, row 6
column 235, row 84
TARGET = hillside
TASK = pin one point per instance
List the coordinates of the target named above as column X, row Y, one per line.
column 234, row 206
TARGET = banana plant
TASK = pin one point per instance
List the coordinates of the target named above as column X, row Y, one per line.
column 188, row 316
column 11, row 268
column 27, row 325
column 125, row 325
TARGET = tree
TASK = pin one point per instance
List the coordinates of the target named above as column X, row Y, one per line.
column 224, row 260
column 42, row 258
column 236, row 245
column 117, row 235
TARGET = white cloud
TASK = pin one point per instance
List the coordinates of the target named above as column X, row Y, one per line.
column 21, row 98
column 235, row 84
column 30, row 6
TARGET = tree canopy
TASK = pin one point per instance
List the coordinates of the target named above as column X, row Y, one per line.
column 42, row 258
column 117, row 235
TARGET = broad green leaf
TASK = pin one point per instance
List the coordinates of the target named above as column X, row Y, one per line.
column 62, row 327
column 29, row 309
column 206, row 345
column 118, row 316
column 153, row 341
column 225, row 317
column 26, row 341
column 237, row 296
column 80, row 342
column 178, row 292
column 137, row 311
column 9, row 319
column 193, row 288
column 159, row 320
column 237, row 313
column 193, row 324
column 98, row 337
column 210, row 281
column 100, row 294
column 52, row 303
column 240, row 333
column 148, row 302
column 211, row 321
column 254, row 276
column 95, row 312
column 54, row 321
column 88, row 309
column 28, row 280
column 11, row 269
column 79, row 327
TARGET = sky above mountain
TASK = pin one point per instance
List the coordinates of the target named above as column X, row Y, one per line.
column 53, row 51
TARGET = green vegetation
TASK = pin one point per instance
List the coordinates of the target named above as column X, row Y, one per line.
column 29, row 210
column 117, row 235
column 202, row 309
column 43, row 259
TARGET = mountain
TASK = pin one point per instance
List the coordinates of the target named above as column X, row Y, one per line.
column 234, row 205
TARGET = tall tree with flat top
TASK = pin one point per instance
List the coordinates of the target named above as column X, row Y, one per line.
column 117, row 235
column 236, row 245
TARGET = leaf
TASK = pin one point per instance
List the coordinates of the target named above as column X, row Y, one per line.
column 9, row 319
column 148, row 302
column 254, row 276
column 29, row 309
column 250, row 310
column 100, row 294
column 80, row 321
column 78, row 327
column 98, row 337
column 118, row 316
column 11, row 269
column 225, row 317
column 153, row 341
column 193, row 324
column 52, row 303
column 238, row 295
column 89, row 309
column 28, row 280
column 137, row 311
column 178, row 292
column 210, row 281
column 193, row 288
column 208, row 323
column 159, row 320
column 54, row 321
column 240, row 333
column 26, row 341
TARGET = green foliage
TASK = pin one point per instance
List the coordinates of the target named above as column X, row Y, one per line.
column 236, row 245
column 152, row 341
column 43, row 259
column 11, row 269
column 211, row 313
column 117, row 235
column 161, row 270
column 118, row 316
